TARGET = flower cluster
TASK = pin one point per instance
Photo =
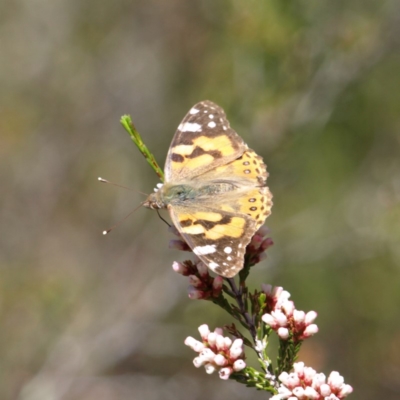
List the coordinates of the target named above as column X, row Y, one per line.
column 201, row 284
column 304, row 384
column 217, row 353
column 285, row 319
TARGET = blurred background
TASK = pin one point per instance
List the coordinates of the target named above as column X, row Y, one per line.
column 312, row 86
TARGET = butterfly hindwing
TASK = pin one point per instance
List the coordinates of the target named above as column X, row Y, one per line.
column 219, row 238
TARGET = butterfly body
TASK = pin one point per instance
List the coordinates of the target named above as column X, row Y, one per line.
column 214, row 189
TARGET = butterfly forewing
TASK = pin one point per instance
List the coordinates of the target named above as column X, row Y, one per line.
column 203, row 140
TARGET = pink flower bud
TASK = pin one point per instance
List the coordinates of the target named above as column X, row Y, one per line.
column 310, row 317
column 288, row 308
column 299, row 368
column 266, row 288
column 207, row 354
column 292, row 380
column 263, row 231
column 203, row 270
column 298, row 392
column 325, row 390
column 309, row 374
column 227, row 343
column 209, row 368
column 269, row 320
column 345, row 391
column 238, row 365
column 283, row 333
column 212, row 338
column 220, row 342
column 194, row 344
column 284, row 377
column 311, row 393
column 235, row 352
column 217, row 283
column 198, row 362
column 195, row 281
column 280, row 317
column 195, row 294
column 204, row 331
column 318, row 380
column 335, row 380
column 310, row 330
column 220, row 360
column 299, row 316
column 219, row 331
column 179, row 268
column 225, row 373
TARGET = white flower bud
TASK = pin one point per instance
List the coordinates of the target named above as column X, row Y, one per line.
column 280, row 317
column 204, row 331
column 269, row 320
column 298, row 392
column 299, row 368
column 310, row 317
column 238, row 365
column 267, row 289
column 288, row 307
column 310, row 330
column 335, row 380
column 194, row 281
column 299, row 316
column 207, row 354
column 199, row 362
column 345, row 391
column 227, row 342
column 202, row 268
column 220, row 360
column 225, row 373
column 325, row 389
column 209, row 368
column 283, row 333
column 212, row 338
column 179, row 267
column 311, row 393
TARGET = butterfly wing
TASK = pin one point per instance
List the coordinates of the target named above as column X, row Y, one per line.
column 219, row 238
column 203, row 141
column 249, row 174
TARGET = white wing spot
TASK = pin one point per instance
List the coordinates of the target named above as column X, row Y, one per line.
column 194, row 111
column 229, row 258
column 211, row 116
column 205, row 111
column 213, row 265
column 212, row 124
column 240, row 245
column 228, row 250
column 224, row 128
column 189, row 127
column 202, row 250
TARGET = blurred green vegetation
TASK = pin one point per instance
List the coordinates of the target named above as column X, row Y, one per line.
column 311, row 85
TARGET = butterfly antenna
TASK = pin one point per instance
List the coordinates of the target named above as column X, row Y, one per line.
column 163, row 218
column 122, row 220
column 121, row 186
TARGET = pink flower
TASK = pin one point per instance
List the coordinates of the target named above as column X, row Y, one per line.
column 305, row 383
column 284, row 318
column 217, row 353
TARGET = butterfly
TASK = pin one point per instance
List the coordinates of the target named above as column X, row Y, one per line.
column 215, row 189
